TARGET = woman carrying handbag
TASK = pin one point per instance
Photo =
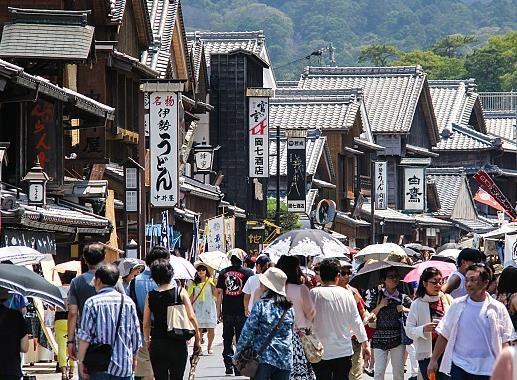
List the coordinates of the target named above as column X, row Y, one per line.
column 265, row 343
column 173, row 322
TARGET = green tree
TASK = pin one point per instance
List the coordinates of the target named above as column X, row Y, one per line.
column 288, row 220
column 436, row 67
column 452, row 45
column 378, row 54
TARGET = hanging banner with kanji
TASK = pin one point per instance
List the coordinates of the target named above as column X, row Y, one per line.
column 258, row 128
column 296, row 172
column 380, row 193
column 491, row 188
column 229, row 232
column 216, row 234
column 163, row 148
column 42, row 136
column 414, row 189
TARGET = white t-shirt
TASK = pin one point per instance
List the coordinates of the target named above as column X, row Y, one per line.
column 337, row 318
column 460, row 291
column 472, row 351
column 250, row 286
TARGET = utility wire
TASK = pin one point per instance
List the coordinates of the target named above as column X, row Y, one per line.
column 314, row 53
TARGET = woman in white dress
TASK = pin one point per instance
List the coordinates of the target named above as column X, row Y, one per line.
column 202, row 296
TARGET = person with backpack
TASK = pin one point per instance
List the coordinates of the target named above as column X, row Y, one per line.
column 139, row 288
column 168, row 353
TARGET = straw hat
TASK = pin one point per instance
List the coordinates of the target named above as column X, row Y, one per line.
column 274, row 279
column 238, row 253
column 210, row 270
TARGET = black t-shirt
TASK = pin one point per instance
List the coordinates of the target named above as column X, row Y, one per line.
column 231, row 280
column 12, row 330
column 158, row 304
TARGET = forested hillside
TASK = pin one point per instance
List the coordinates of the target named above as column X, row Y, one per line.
column 296, row 28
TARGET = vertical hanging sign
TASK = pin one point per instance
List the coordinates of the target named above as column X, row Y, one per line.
column 380, row 193
column 414, row 189
column 163, row 149
column 296, row 172
column 258, row 131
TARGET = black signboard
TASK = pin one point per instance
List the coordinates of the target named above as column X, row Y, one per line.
column 42, row 136
column 296, row 172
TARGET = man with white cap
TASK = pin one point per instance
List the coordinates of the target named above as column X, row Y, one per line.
column 230, row 303
column 337, row 318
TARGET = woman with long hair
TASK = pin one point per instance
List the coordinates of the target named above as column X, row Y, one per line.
column 276, row 361
column 304, row 313
column 429, row 306
column 387, row 339
column 202, row 296
column 168, row 355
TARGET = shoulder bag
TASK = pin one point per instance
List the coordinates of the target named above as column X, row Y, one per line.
column 312, row 347
column 247, row 362
column 179, row 325
column 98, row 355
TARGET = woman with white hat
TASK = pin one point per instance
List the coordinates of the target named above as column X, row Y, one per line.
column 272, row 313
column 202, row 296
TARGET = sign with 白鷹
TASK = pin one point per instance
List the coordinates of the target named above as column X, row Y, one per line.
column 414, row 188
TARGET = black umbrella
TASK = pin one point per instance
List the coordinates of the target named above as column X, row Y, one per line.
column 369, row 275
column 29, row 284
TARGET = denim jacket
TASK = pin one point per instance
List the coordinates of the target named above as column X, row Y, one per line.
column 262, row 320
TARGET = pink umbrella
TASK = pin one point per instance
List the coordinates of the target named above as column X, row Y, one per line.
column 444, row 267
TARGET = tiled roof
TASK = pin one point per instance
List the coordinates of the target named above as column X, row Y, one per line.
column 116, row 10
column 313, row 152
column 47, row 34
column 477, row 225
column 448, row 183
column 466, row 138
column 389, row 215
column 44, row 86
column 321, row 112
column 227, row 42
column 503, row 125
column 196, row 49
column 454, row 102
column 391, row 94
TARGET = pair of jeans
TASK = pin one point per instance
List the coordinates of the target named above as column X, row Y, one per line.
column 168, row 358
column 333, row 369
column 232, row 327
column 459, row 374
column 270, row 372
column 107, row 376
column 397, row 362
column 424, row 363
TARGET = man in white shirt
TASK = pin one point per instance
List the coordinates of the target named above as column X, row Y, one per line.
column 473, row 331
column 337, row 318
column 253, row 283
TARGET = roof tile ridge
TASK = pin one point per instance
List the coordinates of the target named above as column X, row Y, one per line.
column 471, row 132
column 363, row 71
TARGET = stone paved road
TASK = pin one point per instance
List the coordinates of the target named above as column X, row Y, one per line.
column 209, row 367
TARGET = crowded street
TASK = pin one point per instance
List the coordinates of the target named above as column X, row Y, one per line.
column 252, row 189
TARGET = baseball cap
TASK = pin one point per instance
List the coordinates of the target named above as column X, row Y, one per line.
column 262, row 260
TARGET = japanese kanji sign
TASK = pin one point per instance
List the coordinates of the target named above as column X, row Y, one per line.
column 296, row 172
column 216, row 238
column 92, row 144
column 414, row 189
column 41, row 135
column 491, row 188
column 258, row 131
column 163, row 148
column 380, row 192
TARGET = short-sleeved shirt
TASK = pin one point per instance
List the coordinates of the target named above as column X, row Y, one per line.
column 81, row 288
column 12, row 330
column 231, row 280
column 250, row 286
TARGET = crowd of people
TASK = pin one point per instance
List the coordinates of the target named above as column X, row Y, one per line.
column 300, row 324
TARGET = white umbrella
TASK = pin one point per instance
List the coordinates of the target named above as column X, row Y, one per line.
column 183, row 269
column 21, row 255
column 216, row 260
column 379, row 251
column 450, row 253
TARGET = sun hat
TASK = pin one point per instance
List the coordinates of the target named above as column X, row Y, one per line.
column 274, row 279
column 238, row 253
column 343, row 263
column 209, row 269
column 125, row 266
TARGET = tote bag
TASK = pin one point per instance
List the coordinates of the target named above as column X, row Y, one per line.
column 179, row 325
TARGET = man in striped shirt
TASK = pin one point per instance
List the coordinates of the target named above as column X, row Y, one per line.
column 98, row 325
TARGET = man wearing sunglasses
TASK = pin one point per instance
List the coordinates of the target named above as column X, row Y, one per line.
column 473, row 331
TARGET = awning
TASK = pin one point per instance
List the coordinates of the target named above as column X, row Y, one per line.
column 389, row 215
column 415, row 161
column 323, row 184
column 420, row 151
column 367, row 145
column 429, row 221
column 475, row 225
